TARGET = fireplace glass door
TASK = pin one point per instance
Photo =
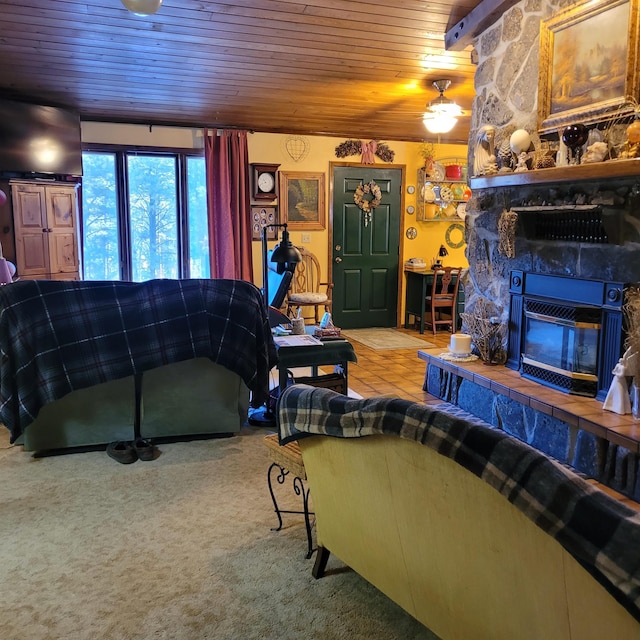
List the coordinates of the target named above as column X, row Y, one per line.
column 562, row 349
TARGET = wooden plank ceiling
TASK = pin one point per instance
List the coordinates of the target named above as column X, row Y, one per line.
column 345, row 68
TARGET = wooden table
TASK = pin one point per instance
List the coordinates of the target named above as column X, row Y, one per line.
column 338, row 352
column 418, row 285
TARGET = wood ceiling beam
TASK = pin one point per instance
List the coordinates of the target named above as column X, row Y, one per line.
column 475, row 22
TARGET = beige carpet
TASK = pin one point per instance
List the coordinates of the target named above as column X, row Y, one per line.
column 180, row 548
column 381, row 338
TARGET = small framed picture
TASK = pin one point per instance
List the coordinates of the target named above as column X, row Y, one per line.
column 302, row 200
column 260, row 218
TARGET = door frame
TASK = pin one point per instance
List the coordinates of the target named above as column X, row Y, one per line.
column 403, row 175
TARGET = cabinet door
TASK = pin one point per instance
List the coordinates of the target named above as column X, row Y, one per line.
column 30, row 225
column 62, row 230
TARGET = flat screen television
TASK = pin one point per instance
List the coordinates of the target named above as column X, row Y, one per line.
column 36, row 139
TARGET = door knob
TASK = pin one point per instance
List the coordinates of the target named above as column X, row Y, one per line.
column 338, row 259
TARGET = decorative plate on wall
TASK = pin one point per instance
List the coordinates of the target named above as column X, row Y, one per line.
column 412, row 233
column 439, row 172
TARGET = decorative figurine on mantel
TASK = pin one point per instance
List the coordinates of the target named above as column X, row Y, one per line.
column 596, row 152
column 520, row 143
column 523, row 158
column 618, row 399
column 574, row 136
column 631, row 148
column 484, row 155
column 504, row 157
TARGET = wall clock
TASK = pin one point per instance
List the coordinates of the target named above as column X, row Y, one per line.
column 264, row 181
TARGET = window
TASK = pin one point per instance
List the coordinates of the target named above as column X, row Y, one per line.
column 144, row 215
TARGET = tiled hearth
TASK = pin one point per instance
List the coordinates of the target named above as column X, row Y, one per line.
column 603, row 445
column 585, row 413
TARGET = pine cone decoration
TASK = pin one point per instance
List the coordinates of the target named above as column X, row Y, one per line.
column 505, row 156
column 543, row 160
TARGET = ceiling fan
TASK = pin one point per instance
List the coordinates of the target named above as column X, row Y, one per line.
column 442, row 113
column 439, row 116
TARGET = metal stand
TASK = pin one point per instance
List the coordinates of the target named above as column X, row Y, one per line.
column 300, row 490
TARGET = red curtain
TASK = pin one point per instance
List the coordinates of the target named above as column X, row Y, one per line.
column 228, row 204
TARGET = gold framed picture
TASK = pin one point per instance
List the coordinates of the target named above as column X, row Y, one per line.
column 302, row 198
column 260, row 218
column 588, row 59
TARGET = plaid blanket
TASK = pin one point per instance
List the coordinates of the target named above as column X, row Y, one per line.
column 56, row 336
column 601, row 533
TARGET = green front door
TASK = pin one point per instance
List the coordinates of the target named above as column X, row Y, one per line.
column 365, row 249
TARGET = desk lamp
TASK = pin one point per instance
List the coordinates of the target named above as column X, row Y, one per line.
column 285, row 255
column 442, row 252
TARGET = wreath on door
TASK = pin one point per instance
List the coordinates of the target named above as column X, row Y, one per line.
column 362, row 193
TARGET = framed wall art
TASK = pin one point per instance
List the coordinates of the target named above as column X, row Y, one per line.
column 260, row 218
column 588, row 59
column 302, row 200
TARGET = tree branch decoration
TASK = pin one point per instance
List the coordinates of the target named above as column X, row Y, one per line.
column 355, row 147
column 631, row 311
column 488, row 334
column 507, row 233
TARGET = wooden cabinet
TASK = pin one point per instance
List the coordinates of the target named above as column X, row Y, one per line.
column 45, row 219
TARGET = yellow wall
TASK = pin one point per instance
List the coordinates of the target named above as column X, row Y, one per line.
column 270, row 148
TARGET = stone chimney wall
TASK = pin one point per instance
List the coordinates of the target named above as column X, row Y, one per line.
column 506, row 84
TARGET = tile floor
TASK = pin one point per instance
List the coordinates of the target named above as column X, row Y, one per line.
column 396, row 371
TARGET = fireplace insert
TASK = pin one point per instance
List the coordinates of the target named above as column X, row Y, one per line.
column 566, row 333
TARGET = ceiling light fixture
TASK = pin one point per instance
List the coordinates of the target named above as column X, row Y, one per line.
column 442, row 113
column 142, row 7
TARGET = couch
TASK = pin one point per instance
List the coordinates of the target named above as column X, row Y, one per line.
column 473, row 532
column 88, row 363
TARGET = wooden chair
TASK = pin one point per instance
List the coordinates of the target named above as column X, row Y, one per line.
column 443, row 298
column 307, row 288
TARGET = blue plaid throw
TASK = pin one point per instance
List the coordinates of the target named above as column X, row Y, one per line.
column 601, row 533
column 56, row 336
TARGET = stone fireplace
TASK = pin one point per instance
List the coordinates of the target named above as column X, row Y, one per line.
column 572, row 225
column 576, row 222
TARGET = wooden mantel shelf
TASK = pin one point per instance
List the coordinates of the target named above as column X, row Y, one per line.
column 627, row 168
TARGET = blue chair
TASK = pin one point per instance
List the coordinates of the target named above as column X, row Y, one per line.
column 278, row 284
